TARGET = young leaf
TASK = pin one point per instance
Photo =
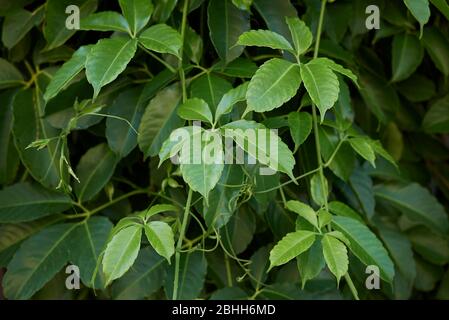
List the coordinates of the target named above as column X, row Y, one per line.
column 137, row 13
column 336, row 256
column 107, row 60
column 362, row 146
column 161, row 38
column 160, row 235
column 195, row 109
column 275, row 83
column 232, row 97
column 365, row 245
column 264, row 38
column 301, row 34
column 105, row 21
column 304, row 211
column 121, row 252
column 26, row 202
column 321, row 84
column 226, row 23
column 300, row 124
column 408, row 54
column 289, row 247
column 67, row 72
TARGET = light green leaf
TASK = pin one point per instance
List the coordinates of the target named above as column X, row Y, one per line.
column 365, row 245
column 301, row 34
column 55, row 31
column 161, row 38
column 336, row 256
column 341, row 209
column 195, row 109
column 300, row 124
column 107, row 60
column 105, row 21
column 417, row 203
column 226, row 23
column 264, row 38
column 160, row 235
column 137, row 13
column 159, row 120
column 94, row 170
column 331, row 64
column 311, row 262
column 37, row 261
column 232, row 97
column 363, row 147
column 304, row 211
column 144, row 278
column 289, row 247
column 319, row 192
column 420, row 10
column 121, row 252
column 407, row 54
column 67, row 72
column 247, row 136
column 159, row 208
column 275, row 83
column 321, row 84
column 17, row 24
column 243, row 4
column 9, row 75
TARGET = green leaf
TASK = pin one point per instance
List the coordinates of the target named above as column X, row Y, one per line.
column 301, row 34
column 9, row 75
column 17, row 24
column 289, row 247
column 264, row 38
column 437, row 46
column 226, row 23
column 25, row 202
column 67, row 72
column 107, row 60
column 274, row 14
column 317, row 189
column 275, row 83
column 193, row 45
column 105, row 21
column 417, row 88
column 121, row 134
column 408, row 54
column 160, row 235
column 232, row 97
column 341, row 209
column 361, row 185
column 210, row 88
column 55, row 31
column 145, row 277
column 304, row 211
column 417, row 203
column 336, row 256
column 321, row 84
column 311, row 262
column 37, row 261
column 247, row 136
column 137, row 13
column 420, row 10
column 161, row 38
column 239, row 68
column 365, row 245
column 362, row 146
column 243, row 4
column 159, row 120
column 159, row 208
column 432, row 247
column 238, row 233
column 195, row 109
column 300, row 124
column 436, row 119
column 192, row 274
column 337, row 68
column 89, row 239
column 443, row 6
column 121, row 252
column 94, row 170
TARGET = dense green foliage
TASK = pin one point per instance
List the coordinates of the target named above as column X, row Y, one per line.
column 361, row 174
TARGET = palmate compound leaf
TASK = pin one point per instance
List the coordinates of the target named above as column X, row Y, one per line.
column 289, row 247
column 137, row 13
column 335, row 255
column 321, row 83
column 121, row 252
column 365, row 245
column 275, row 83
column 107, row 60
column 262, row 144
column 264, row 38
